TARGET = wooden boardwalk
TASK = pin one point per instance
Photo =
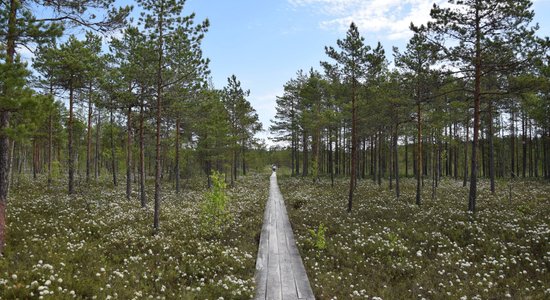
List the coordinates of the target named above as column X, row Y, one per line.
column 280, row 273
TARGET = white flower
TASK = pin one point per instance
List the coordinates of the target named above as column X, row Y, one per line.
column 419, row 253
column 14, row 276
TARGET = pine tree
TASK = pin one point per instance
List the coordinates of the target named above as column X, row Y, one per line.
column 474, row 29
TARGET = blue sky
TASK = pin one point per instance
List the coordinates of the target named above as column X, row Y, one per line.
column 264, row 43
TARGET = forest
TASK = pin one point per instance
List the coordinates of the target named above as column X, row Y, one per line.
column 421, row 172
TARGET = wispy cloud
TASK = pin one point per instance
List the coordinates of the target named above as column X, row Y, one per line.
column 389, row 17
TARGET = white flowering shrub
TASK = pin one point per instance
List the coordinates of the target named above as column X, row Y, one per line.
column 98, row 245
column 391, row 249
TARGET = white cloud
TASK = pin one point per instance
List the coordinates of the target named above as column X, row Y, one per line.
column 389, row 17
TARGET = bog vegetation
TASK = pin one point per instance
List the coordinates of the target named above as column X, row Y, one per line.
column 129, row 175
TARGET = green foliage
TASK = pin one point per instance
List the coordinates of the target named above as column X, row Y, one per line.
column 56, row 170
column 318, row 237
column 107, row 249
column 214, row 210
column 394, row 250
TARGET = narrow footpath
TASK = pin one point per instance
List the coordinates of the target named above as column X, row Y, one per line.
column 280, row 272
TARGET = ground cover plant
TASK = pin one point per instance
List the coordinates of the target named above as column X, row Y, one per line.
column 97, row 244
column 393, row 249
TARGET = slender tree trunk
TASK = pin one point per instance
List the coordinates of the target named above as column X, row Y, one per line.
column 244, row 157
column 392, row 167
column 379, row 147
column 406, row 156
column 523, row 145
column 50, row 147
column 142, row 156
column 177, row 160
column 234, row 167
column 89, row 135
column 4, row 123
column 70, row 141
column 418, row 152
column 292, row 154
column 330, row 162
column 491, row 148
column 477, row 99
column 34, row 158
column 113, row 152
column 129, row 154
column 396, row 161
column 531, row 171
column 353, row 178
column 97, row 146
column 512, row 145
column 537, row 156
column 305, row 153
column 465, row 173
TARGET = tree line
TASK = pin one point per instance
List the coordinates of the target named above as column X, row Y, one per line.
column 469, row 96
column 139, row 98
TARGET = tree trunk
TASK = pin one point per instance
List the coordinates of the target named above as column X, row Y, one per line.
column 129, row 153
column 330, row 162
column 396, row 161
column 305, row 159
column 89, row 135
column 177, row 158
column 113, row 152
column 477, row 99
column 4, row 174
column 97, row 146
column 292, row 154
column 418, row 152
column 392, row 167
column 406, row 156
column 4, row 124
column 512, row 145
column 523, row 145
column 353, row 170
column 70, row 141
column 142, row 157
column 50, row 147
column 491, row 148
column 243, row 157
column 465, row 173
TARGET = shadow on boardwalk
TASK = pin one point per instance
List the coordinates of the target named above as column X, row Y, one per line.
column 280, row 273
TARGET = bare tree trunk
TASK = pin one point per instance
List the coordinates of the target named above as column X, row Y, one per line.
column 330, row 162
column 523, row 145
column 177, row 160
column 50, row 147
column 379, row 148
column 305, row 159
column 70, row 141
column 142, row 157
column 465, row 177
column 4, row 123
column 396, row 161
column 97, row 146
column 512, row 145
column 113, row 152
column 477, row 99
column 158, row 158
column 406, row 156
column 491, row 148
column 89, row 135
column 244, row 157
column 418, row 153
column 129, row 153
column 353, row 179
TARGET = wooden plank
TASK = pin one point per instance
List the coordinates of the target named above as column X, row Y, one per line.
column 280, row 273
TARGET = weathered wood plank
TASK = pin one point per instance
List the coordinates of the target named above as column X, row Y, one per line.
column 280, row 273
